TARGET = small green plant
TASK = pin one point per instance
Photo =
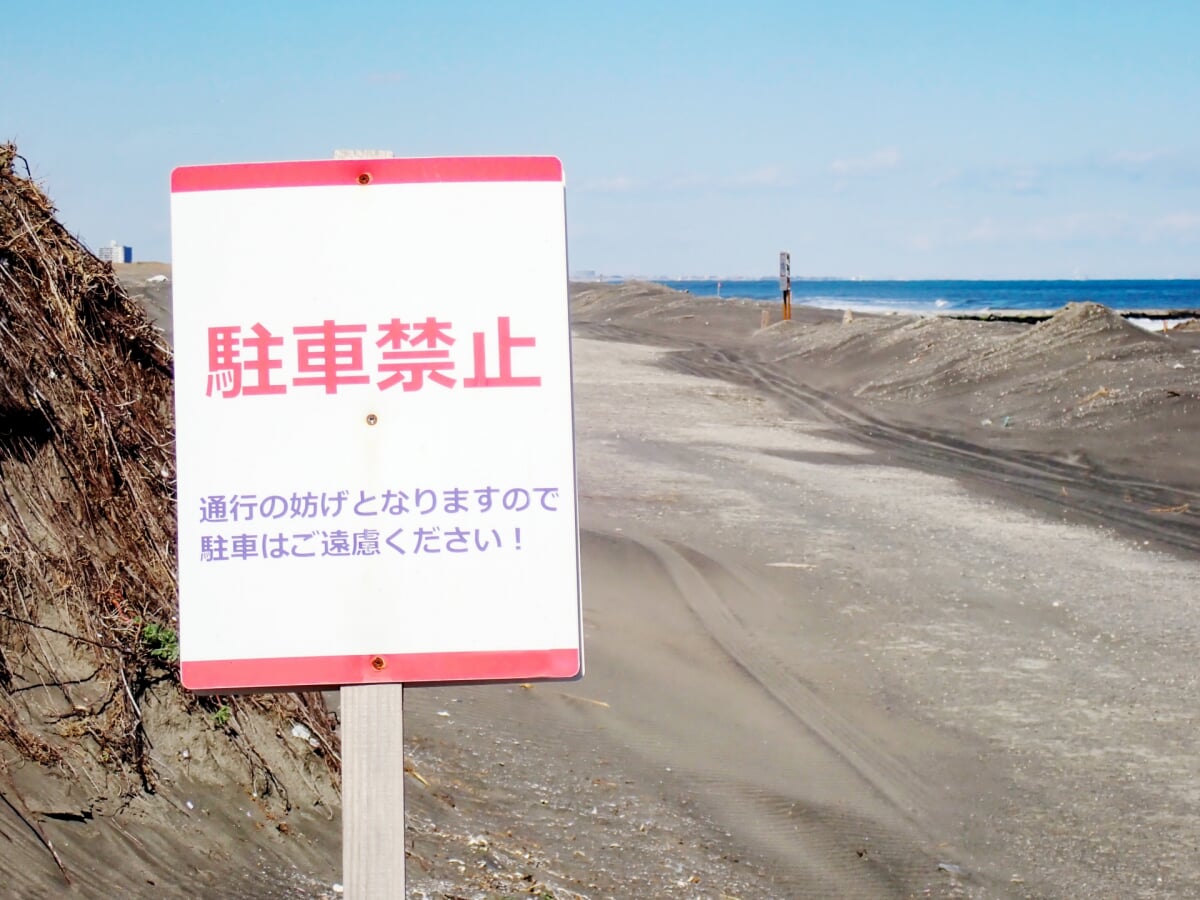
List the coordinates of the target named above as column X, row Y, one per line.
column 162, row 641
column 220, row 718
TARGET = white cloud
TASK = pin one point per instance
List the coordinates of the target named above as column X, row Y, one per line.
column 984, row 231
column 764, row 176
column 616, row 184
column 1178, row 222
column 1087, row 226
column 1161, row 168
column 1007, row 179
column 687, row 183
column 1073, row 226
column 877, row 163
column 1136, row 157
column 947, row 178
column 1020, row 180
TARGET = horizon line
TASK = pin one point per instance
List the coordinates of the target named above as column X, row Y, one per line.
column 601, row 276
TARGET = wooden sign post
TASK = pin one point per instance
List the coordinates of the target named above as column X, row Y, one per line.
column 373, row 790
column 376, row 461
column 785, row 283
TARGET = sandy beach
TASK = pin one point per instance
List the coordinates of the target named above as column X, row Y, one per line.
column 863, row 642
column 888, row 607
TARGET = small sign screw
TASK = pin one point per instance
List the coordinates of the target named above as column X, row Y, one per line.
column 372, row 418
column 364, row 178
column 378, row 663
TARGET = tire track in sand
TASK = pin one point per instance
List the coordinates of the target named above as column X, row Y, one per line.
column 1137, row 506
column 901, row 797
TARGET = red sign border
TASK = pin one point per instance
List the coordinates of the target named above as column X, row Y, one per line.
column 340, row 172
column 305, row 672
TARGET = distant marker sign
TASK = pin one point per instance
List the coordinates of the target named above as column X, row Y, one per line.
column 375, row 442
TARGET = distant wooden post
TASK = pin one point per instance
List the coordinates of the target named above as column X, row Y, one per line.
column 785, row 283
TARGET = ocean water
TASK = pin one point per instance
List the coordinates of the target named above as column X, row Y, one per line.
column 959, row 296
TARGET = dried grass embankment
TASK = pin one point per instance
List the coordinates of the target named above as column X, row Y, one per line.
column 88, row 681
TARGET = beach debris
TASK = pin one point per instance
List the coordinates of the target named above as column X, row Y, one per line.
column 791, row 565
column 157, row 279
column 1006, row 422
column 1095, row 395
column 1172, row 510
column 409, row 770
column 847, row 317
column 303, row 733
column 952, row 869
column 578, row 699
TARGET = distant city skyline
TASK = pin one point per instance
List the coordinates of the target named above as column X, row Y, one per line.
column 870, row 139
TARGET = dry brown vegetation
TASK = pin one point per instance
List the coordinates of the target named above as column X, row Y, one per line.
column 87, row 536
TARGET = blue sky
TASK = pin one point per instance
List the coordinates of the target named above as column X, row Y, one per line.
column 870, row 139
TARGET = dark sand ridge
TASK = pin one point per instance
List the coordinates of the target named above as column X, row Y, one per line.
column 1089, row 414
column 816, row 665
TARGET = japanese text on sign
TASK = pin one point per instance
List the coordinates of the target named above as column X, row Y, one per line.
column 339, row 542
column 450, row 535
column 250, row 362
column 422, row 501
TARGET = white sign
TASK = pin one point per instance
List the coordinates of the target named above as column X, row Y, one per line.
column 374, row 423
